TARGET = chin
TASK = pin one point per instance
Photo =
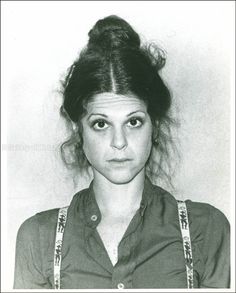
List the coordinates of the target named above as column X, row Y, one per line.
column 120, row 177
column 120, row 180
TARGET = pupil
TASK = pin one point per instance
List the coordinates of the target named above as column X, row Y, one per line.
column 101, row 124
column 133, row 122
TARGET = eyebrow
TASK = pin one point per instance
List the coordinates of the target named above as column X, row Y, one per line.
column 138, row 111
column 97, row 114
column 104, row 115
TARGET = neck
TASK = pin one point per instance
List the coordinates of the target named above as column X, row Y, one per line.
column 118, row 199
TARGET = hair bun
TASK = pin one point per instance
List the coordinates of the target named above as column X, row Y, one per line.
column 113, row 32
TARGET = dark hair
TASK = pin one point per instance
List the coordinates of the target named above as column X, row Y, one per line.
column 115, row 61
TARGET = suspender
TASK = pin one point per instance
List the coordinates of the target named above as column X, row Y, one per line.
column 61, row 223
column 184, row 226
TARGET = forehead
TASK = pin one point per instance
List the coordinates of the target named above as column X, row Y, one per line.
column 110, row 102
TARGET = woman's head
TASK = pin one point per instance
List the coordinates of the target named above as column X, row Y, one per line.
column 114, row 61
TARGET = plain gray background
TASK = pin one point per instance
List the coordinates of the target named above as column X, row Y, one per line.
column 41, row 39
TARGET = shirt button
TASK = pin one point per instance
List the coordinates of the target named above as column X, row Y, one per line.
column 94, row 218
column 120, row 286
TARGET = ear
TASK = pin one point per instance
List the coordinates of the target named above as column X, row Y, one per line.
column 155, row 130
column 75, row 126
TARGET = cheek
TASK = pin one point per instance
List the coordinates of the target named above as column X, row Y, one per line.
column 146, row 136
column 88, row 145
column 147, row 144
column 92, row 145
column 142, row 143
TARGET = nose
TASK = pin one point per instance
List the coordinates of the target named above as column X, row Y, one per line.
column 119, row 140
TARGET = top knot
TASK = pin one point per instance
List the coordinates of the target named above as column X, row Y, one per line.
column 113, row 32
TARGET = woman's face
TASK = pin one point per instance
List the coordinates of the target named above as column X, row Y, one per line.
column 117, row 136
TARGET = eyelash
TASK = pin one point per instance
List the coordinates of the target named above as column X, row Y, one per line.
column 95, row 123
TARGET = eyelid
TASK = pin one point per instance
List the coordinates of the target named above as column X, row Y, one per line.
column 94, row 121
column 137, row 118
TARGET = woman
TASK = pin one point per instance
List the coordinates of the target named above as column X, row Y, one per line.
column 123, row 231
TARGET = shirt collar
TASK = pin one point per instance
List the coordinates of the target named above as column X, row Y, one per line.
column 92, row 214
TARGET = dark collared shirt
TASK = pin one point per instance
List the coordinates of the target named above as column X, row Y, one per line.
column 150, row 254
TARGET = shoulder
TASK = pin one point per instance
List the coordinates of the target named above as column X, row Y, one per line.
column 200, row 212
column 42, row 222
column 206, row 214
column 210, row 237
column 203, row 217
column 209, row 227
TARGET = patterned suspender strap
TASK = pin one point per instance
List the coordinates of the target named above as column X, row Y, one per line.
column 61, row 223
column 184, row 227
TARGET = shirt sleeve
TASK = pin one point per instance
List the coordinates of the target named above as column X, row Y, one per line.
column 216, row 251
column 28, row 264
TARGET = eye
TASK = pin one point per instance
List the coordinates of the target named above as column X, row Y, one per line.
column 99, row 124
column 135, row 122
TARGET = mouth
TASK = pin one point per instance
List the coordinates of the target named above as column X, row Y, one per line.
column 119, row 160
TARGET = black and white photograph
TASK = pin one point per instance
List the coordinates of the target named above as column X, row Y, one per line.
column 118, row 146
